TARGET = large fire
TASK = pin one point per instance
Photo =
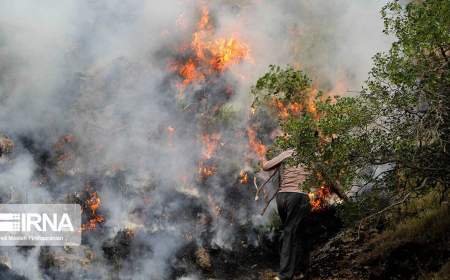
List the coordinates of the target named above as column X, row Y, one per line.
column 141, row 172
column 226, row 52
column 205, row 56
column 210, row 53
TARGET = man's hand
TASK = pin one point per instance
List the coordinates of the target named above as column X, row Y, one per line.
column 287, row 153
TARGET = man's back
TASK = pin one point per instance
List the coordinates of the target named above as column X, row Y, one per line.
column 291, row 177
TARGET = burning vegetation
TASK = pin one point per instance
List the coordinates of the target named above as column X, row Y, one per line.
column 208, row 55
column 213, row 210
column 205, row 207
column 92, row 204
column 162, row 151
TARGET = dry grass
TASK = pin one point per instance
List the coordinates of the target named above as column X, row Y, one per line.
column 442, row 274
column 427, row 221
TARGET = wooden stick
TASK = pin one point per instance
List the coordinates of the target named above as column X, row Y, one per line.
column 258, row 189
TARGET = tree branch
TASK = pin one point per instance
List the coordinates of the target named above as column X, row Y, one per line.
column 381, row 212
column 389, row 207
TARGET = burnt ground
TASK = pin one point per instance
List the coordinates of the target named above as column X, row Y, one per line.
column 247, row 262
column 336, row 253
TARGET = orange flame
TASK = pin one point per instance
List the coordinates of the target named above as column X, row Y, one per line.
column 258, row 148
column 210, row 54
column 93, row 203
column 206, row 171
column 286, row 110
column 295, row 107
column 283, row 112
column 190, row 73
column 243, row 177
column 311, row 103
column 204, row 19
column 226, row 52
column 210, row 143
column 318, row 199
column 92, row 223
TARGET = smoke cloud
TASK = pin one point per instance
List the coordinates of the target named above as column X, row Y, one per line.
column 88, row 96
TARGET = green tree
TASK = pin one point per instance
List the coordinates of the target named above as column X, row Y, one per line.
column 328, row 133
column 394, row 137
column 408, row 89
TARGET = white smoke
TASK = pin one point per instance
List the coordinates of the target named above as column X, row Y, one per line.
column 99, row 70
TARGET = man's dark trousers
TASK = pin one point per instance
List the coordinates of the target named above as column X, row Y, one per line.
column 293, row 208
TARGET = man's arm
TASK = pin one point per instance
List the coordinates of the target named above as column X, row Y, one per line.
column 276, row 161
